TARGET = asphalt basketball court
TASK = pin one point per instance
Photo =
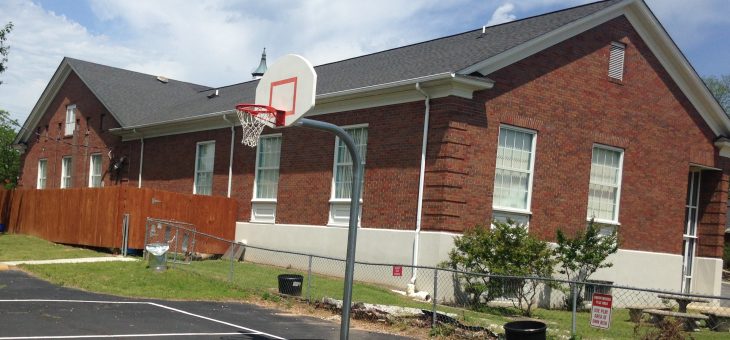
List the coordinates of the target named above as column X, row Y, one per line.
column 34, row 309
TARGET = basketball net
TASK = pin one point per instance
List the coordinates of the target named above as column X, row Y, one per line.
column 253, row 118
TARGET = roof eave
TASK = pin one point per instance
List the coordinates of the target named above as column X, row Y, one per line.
column 441, row 85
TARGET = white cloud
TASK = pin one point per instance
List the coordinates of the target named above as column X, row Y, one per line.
column 502, row 14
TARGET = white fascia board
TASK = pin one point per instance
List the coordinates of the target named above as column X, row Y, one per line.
column 681, row 71
column 47, row 96
column 544, row 41
column 438, row 85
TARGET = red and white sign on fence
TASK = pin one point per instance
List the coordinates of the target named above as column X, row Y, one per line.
column 601, row 310
column 397, row 270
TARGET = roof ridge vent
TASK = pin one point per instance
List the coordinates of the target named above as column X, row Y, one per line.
column 163, row 79
column 213, row 95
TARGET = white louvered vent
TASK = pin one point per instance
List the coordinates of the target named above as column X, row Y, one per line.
column 616, row 61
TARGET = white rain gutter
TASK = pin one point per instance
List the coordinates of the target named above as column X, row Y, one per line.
column 421, row 179
column 230, row 157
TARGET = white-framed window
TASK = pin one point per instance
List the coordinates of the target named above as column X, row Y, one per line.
column 514, row 172
column 42, row 173
column 66, row 171
column 342, row 174
column 70, row 120
column 266, row 184
column 616, row 57
column 204, row 156
column 604, row 190
column 95, row 171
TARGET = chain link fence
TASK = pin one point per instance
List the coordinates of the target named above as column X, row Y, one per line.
column 461, row 302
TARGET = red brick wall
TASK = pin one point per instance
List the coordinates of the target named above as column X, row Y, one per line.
column 564, row 94
column 88, row 138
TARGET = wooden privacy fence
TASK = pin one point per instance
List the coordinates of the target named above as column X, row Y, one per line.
column 93, row 216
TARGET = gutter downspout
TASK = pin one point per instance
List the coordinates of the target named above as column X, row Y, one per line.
column 230, row 157
column 421, row 179
column 141, row 161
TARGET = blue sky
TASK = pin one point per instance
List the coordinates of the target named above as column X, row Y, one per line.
column 218, row 42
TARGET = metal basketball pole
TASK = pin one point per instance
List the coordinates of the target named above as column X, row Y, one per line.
column 357, row 172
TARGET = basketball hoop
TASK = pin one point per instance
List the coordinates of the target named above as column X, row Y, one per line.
column 254, row 118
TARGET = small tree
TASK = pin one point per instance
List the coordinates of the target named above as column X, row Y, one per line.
column 581, row 256
column 507, row 249
column 9, row 157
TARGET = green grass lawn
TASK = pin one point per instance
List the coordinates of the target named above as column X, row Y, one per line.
column 15, row 247
column 209, row 280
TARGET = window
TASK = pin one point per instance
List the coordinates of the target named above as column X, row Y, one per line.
column 342, row 179
column 605, row 184
column 70, row 120
column 267, row 179
column 204, row 168
column 66, row 172
column 42, row 173
column 513, row 174
column 95, row 171
column 616, row 60
column 267, row 167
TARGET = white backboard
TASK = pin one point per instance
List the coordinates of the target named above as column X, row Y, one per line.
column 289, row 85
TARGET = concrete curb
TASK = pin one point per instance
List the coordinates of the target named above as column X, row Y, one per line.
column 79, row 260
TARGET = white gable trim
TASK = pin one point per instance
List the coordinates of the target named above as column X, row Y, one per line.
column 653, row 34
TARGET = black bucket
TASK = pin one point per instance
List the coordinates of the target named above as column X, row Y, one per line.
column 525, row 330
column 290, row 284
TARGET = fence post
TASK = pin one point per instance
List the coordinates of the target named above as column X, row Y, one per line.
column 177, row 244
column 234, row 249
column 433, row 298
column 309, row 280
column 574, row 292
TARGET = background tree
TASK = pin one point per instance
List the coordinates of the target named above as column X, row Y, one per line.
column 9, row 157
column 4, row 49
column 720, row 88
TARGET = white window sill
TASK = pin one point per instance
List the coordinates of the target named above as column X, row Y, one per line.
column 263, row 200
column 512, row 210
column 599, row 221
column 341, row 200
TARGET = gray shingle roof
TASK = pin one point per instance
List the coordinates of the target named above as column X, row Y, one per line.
column 139, row 99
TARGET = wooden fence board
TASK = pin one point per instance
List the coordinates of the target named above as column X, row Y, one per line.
column 93, row 216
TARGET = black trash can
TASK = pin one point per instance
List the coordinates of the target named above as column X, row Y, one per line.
column 290, row 284
column 525, row 330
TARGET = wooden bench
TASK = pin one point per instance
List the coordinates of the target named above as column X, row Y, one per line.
column 690, row 319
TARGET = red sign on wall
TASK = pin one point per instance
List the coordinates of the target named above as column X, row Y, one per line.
column 397, row 270
column 601, row 310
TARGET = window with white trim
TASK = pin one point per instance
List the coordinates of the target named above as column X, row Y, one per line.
column 66, row 172
column 204, row 156
column 70, row 120
column 342, row 175
column 514, row 169
column 605, row 184
column 95, row 171
column 42, row 173
column 266, row 184
column 616, row 57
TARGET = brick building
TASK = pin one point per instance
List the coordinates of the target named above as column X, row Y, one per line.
column 589, row 112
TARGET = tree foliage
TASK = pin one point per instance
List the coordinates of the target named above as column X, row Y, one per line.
column 720, row 88
column 582, row 255
column 504, row 249
column 9, row 157
column 4, row 49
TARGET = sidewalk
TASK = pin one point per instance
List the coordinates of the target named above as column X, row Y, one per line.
column 78, row 260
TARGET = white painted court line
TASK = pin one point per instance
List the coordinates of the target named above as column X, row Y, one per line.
column 118, row 336
column 77, row 260
column 252, row 331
